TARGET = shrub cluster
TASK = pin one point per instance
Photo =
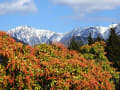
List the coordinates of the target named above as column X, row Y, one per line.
column 96, row 53
column 51, row 67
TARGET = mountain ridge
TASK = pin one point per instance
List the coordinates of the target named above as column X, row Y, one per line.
column 34, row 36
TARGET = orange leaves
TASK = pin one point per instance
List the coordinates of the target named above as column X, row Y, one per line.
column 28, row 47
column 72, row 52
column 54, row 61
column 19, row 44
column 6, row 77
column 13, row 61
column 53, row 66
column 51, row 78
column 27, row 78
column 108, row 85
column 60, row 46
column 66, row 74
column 77, row 62
column 8, row 66
column 24, row 70
column 2, row 33
column 11, row 81
column 44, row 63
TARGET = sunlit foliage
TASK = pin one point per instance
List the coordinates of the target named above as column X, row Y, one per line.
column 96, row 53
column 50, row 67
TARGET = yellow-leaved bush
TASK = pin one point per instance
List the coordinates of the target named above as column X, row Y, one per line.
column 96, row 52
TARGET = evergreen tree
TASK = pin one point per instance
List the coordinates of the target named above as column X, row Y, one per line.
column 90, row 40
column 74, row 44
column 113, row 48
column 50, row 42
column 98, row 39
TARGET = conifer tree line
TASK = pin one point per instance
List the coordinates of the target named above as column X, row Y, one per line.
column 75, row 44
column 112, row 46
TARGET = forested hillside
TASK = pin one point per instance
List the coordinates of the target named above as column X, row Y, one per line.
column 54, row 67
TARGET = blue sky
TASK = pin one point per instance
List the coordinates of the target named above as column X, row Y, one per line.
column 58, row 15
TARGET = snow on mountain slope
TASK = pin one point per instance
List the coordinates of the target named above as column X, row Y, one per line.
column 106, row 32
column 118, row 29
column 33, row 36
column 83, row 33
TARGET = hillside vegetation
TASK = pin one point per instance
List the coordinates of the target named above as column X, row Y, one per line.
column 54, row 67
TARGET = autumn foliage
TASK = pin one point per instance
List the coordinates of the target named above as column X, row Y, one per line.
column 51, row 67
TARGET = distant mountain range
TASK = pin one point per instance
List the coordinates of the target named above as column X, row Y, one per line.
column 33, row 36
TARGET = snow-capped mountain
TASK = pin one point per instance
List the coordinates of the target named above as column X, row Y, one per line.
column 33, row 36
column 83, row 33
